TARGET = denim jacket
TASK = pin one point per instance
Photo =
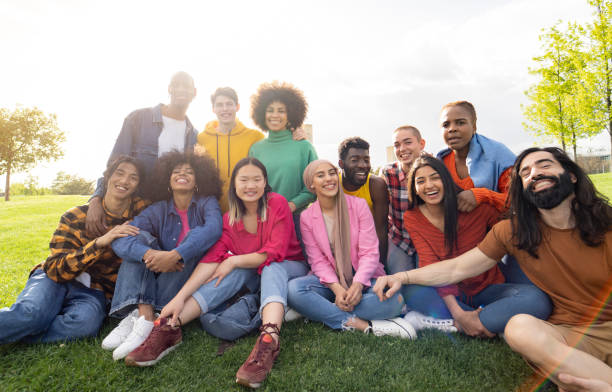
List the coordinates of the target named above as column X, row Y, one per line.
column 139, row 139
column 163, row 222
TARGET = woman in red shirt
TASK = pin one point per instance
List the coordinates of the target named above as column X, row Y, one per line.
column 258, row 237
column 482, row 305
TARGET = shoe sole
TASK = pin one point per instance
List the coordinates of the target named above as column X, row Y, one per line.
column 247, row 383
column 254, row 385
column 409, row 334
column 131, row 362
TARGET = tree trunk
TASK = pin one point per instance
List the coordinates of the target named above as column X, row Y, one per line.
column 574, row 144
column 563, row 144
column 610, row 148
column 8, row 182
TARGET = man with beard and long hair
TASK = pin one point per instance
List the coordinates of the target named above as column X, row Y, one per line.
column 560, row 233
column 354, row 160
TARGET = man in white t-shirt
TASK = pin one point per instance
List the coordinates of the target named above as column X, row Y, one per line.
column 147, row 134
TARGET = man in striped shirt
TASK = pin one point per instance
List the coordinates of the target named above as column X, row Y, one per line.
column 66, row 296
column 408, row 145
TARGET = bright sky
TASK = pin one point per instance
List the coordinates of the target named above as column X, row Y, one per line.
column 365, row 67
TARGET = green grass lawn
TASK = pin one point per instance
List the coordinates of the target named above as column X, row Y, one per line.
column 313, row 358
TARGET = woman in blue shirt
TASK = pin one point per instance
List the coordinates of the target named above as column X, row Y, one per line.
column 174, row 234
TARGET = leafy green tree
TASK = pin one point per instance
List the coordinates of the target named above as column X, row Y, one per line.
column 556, row 105
column 27, row 137
column 596, row 74
column 69, row 184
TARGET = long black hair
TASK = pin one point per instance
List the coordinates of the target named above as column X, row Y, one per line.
column 449, row 199
column 208, row 182
column 592, row 212
column 237, row 209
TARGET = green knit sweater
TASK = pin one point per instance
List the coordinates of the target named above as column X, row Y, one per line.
column 285, row 160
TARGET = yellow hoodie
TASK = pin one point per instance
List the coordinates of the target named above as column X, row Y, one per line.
column 227, row 150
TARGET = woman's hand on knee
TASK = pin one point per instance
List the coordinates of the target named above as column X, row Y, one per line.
column 223, row 269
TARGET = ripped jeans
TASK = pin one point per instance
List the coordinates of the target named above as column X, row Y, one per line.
column 315, row 301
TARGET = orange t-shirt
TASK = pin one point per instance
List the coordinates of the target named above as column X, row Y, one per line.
column 471, row 229
column 577, row 277
column 482, row 195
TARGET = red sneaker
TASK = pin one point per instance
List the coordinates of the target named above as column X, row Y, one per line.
column 163, row 339
column 259, row 363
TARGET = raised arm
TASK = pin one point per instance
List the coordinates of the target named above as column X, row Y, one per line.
column 446, row 272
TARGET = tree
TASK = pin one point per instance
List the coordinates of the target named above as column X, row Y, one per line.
column 27, row 137
column 597, row 70
column 557, row 106
column 69, row 184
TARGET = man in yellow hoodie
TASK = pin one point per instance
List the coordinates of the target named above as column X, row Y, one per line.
column 226, row 139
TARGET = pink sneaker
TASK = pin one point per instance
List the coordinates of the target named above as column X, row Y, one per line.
column 163, row 339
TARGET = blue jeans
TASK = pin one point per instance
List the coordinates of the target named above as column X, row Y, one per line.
column 512, row 270
column 47, row 311
column 398, row 260
column 209, row 297
column 298, row 233
column 499, row 301
column 136, row 284
column 314, row 300
column 275, row 281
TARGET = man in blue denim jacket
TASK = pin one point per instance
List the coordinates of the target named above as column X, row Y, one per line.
column 147, row 134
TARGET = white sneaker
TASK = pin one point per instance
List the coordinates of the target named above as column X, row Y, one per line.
column 141, row 330
column 420, row 321
column 291, row 315
column 392, row 327
column 121, row 331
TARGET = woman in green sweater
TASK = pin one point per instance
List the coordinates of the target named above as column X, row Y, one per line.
column 279, row 108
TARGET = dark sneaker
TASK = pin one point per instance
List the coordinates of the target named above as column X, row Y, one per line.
column 259, row 363
column 163, row 339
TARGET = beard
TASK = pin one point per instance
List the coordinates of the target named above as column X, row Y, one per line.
column 349, row 174
column 551, row 197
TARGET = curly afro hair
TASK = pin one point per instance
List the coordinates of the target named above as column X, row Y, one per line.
column 284, row 92
column 208, row 182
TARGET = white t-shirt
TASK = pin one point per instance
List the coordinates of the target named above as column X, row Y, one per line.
column 172, row 136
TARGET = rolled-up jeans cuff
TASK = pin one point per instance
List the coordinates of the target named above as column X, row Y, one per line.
column 201, row 301
column 273, row 298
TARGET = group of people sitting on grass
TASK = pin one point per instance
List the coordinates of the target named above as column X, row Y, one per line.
column 474, row 240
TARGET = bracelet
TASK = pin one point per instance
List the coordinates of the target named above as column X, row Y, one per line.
column 406, row 279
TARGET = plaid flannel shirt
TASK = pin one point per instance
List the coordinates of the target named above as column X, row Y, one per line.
column 73, row 252
column 398, row 204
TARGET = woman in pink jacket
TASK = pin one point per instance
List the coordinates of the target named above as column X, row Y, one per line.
column 340, row 240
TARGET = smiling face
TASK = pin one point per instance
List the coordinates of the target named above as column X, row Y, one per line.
column 407, row 147
column 276, row 116
column 325, row 181
column 250, row 184
column 123, row 182
column 356, row 166
column 181, row 90
column 225, row 108
column 182, row 178
column 458, row 127
column 545, row 181
column 428, row 185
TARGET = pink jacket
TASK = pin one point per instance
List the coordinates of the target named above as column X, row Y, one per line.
column 364, row 243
